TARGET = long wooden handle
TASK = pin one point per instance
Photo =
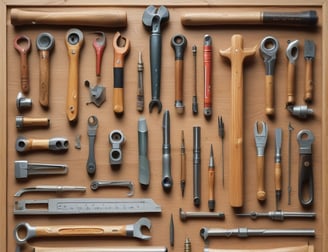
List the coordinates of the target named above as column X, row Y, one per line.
column 37, row 144
column 211, row 180
column 277, row 176
column 44, row 78
column 69, row 231
column 35, row 122
column 308, row 92
column 89, row 17
column 25, row 82
column 179, row 80
column 291, row 84
column 269, row 95
column 261, row 195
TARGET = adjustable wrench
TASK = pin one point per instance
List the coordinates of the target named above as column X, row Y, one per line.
column 292, row 55
column 92, row 131
column 153, row 18
column 57, row 144
column 25, row 232
column 99, row 44
column 23, row 46
column 45, row 43
column 305, row 139
column 269, row 48
column 121, row 47
column 74, row 42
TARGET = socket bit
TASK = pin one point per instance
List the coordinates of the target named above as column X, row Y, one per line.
column 198, row 215
column 301, row 111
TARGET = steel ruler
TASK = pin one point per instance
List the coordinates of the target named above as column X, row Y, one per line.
column 57, row 206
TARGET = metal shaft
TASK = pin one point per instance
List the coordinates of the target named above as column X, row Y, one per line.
column 290, row 129
column 183, row 164
column 166, row 153
column 196, row 165
column 194, row 98
column 279, row 215
column 140, row 90
column 192, row 215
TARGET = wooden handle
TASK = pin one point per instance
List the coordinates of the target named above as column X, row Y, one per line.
column 269, row 95
column 118, row 100
column 44, row 78
column 31, row 122
column 69, row 231
column 183, row 167
column 236, row 53
column 37, row 144
column 25, row 82
column 277, row 176
column 291, row 84
column 308, row 92
column 211, row 180
column 89, row 17
column 72, row 100
column 179, row 80
column 261, row 195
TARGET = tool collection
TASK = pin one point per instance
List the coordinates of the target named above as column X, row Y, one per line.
column 154, row 19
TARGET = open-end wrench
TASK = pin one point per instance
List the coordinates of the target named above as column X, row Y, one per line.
column 74, row 42
column 292, row 55
column 153, row 18
column 24, row 231
column 96, row 184
column 269, row 48
column 305, row 140
column 22, row 44
column 45, row 43
column 121, row 47
column 57, row 144
column 179, row 43
column 92, row 131
column 261, row 136
column 99, row 44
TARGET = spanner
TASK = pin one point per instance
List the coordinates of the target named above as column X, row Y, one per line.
column 92, row 131
column 23, row 45
column 24, row 231
column 96, row 184
column 292, row 55
column 57, row 144
column 305, row 139
column 269, row 48
column 99, row 44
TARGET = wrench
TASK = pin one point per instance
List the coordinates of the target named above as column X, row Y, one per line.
column 24, row 231
column 269, row 48
column 74, row 42
column 117, row 139
column 92, row 131
column 121, row 47
column 99, row 44
column 96, row 184
column 45, row 43
column 292, row 55
column 153, row 18
column 305, row 139
column 56, row 144
column 23, row 46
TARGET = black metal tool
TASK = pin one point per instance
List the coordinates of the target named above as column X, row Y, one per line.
column 153, row 18
column 305, row 139
column 92, row 130
column 166, row 156
column 221, row 135
column 144, row 170
column 196, row 165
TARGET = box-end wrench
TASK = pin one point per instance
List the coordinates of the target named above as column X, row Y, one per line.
column 22, row 44
column 153, row 18
column 74, row 42
column 305, row 140
column 57, row 144
column 121, row 47
column 24, row 231
column 45, row 42
column 269, row 48
column 292, row 55
column 92, row 131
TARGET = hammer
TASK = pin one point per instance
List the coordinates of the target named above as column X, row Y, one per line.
column 236, row 54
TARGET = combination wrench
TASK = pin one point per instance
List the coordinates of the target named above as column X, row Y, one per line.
column 92, row 131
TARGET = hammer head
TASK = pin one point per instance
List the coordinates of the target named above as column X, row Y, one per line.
column 153, row 17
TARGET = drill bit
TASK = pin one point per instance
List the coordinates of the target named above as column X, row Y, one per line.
column 183, row 164
column 211, row 182
column 140, row 90
column 290, row 129
column 194, row 98
column 221, row 135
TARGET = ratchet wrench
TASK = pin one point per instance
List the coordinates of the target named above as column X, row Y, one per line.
column 22, row 44
column 121, row 47
column 74, row 42
column 92, row 131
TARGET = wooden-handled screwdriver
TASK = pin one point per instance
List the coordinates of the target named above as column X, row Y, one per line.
column 277, row 166
column 211, row 182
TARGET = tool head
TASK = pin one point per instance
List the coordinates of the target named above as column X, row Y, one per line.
column 21, row 169
column 179, row 43
column 22, row 44
column 153, row 17
column 153, row 103
column 97, row 94
column 22, row 102
column 23, row 232
column 269, row 47
column 292, row 51
column 135, row 229
column 121, row 44
column 100, row 40
column 74, row 38
column 58, row 144
column 45, row 41
column 261, row 135
column 309, row 49
column 305, row 140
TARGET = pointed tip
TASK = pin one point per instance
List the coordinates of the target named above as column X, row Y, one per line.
column 211, row 150
column 140, row 57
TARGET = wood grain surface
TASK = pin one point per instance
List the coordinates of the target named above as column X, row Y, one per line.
column 253, row 109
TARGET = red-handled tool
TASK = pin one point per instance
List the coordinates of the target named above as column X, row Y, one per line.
column 99, row 44
column 207, row 75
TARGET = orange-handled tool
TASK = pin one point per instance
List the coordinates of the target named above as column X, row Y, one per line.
column 23, row 46
column 74, row 42
column 99, row 44
column 236, row 53
column 121, row 47
column 45, row 43
column 207, row 75
column 309, row 55
column 277, row 166
column 292, row 55
column 211, row 182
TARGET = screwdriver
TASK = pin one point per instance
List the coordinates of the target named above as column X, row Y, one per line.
column 211, row 182
column 183, row 164
column 221, row 135
column 277, row 166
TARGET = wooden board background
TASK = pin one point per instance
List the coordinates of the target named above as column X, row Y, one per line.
column 254, row 110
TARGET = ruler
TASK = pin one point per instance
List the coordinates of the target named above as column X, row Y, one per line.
column 56, row 206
